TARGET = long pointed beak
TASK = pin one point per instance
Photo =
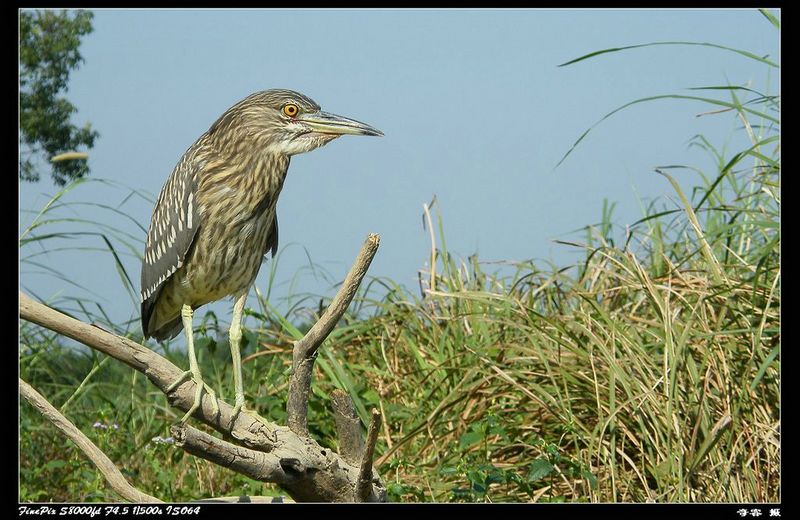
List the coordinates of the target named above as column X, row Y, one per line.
column 326, row 123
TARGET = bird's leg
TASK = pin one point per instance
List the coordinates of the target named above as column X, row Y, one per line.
column 235, row 335
column 194, row 369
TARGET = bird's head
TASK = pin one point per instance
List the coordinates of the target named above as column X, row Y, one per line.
column 285, row 122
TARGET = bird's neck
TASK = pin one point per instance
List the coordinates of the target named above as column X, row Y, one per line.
column 244, row 178
column 267, row 178
column 262, row 177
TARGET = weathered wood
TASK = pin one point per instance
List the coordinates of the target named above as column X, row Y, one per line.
column 365, row 474
column 348, row 427
column 305, row 349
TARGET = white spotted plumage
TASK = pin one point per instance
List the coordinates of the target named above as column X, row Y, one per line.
column 189, row 210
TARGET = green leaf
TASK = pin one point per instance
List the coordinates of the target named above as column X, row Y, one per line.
column 764, row 365
column 710, row 101
column 591, row 478
column 653, row 44
column 55, row 464
column 470, row 439
column 771, row 17
column 540, row 468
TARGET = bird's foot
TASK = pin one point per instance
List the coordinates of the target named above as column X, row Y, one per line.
column 240, row 407
column 237, row 408
column 200, row 385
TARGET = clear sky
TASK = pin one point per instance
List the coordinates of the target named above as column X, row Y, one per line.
column 473, row 106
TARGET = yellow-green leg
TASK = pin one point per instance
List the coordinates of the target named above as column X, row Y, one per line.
column 194, row 369
column 235, row 335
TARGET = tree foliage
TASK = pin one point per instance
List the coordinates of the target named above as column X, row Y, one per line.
column 48, row 52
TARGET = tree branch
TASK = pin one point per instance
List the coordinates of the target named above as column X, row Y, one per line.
column 324, row 480
column 305, row 349
column 257, row 465
column 365, row 476
column 272, row 453
column 348, row 427
column 161, row 372
column 113, row 475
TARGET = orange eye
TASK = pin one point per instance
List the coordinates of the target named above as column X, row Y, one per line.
column 290, row 110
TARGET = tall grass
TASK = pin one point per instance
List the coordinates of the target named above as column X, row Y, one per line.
column 648, row 371
column 59, row 227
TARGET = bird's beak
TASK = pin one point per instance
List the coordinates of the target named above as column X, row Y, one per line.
column 325, row 123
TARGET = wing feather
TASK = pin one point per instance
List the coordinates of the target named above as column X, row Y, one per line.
column 272, row 238
column 173, row 227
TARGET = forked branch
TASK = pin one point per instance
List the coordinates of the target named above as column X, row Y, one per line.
column 284, row 455
column 305, row 349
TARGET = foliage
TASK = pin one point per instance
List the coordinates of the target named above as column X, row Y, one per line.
column 48, row 52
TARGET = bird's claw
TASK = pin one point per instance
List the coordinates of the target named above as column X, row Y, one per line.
column 200, row 385
column 240, row 407
column 183, row 377
column 237, row 408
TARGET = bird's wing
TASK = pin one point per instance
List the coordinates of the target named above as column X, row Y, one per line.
column 272, row 238
column 173, row 228
column 271, row 244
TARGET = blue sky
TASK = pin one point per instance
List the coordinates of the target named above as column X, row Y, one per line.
column 474, row 109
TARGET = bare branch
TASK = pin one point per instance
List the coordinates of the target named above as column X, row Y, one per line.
column 316, row 476
column 305, row 349
column 320, row 474
column 272, row 453
column 257, row 465
column 249, row 430
column 365, row 477
column 112, row 475
column 348, row 427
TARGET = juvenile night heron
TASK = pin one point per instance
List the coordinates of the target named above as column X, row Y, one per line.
column 215, row 217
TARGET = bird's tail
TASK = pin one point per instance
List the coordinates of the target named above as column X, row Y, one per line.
column 167, row 331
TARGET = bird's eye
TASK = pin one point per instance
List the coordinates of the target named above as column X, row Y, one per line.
column 290, row 109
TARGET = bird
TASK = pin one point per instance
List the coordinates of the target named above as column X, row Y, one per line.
column 215, row 218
